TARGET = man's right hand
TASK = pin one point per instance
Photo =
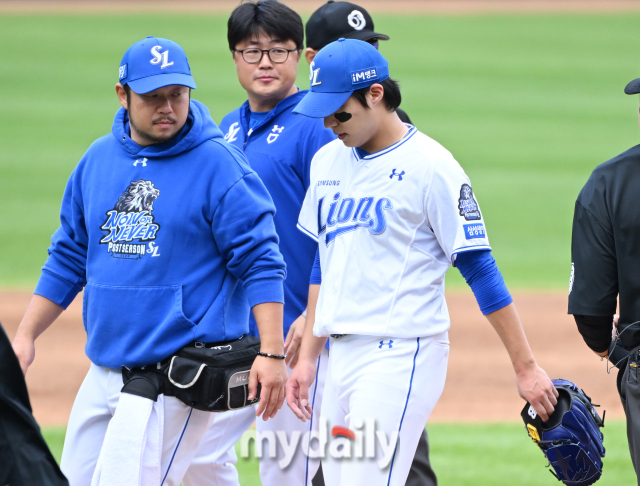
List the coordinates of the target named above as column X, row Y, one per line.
column 39, row 316
column 298, row 385
column 293, row 340
column 25, row 350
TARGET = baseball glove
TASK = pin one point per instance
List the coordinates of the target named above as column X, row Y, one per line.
column 571, row 439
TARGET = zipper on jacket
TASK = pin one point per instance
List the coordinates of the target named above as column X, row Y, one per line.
column 246, row 141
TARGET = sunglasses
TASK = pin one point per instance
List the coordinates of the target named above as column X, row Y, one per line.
column 343, row 116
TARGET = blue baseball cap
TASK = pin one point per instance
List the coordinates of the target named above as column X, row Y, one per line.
column 153, row 63
column 338, row 70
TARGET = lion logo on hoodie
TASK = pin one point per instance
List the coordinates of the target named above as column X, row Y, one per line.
column 138, row 197
column 131, row 220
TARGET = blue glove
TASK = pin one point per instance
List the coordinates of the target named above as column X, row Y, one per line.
column 571, row 439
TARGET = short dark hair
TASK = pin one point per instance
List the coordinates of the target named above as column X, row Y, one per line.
column 127, row 90
column 273, row 18
column 391, row 97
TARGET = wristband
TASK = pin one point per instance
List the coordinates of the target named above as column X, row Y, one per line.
column 274, row 356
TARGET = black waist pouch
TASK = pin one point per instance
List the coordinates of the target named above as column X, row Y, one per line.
column 213, row 377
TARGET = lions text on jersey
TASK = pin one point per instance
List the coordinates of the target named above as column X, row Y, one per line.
column 388, row 227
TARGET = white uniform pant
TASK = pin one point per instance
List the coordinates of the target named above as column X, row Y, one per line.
column 94, row 407
column 391, row 383
column 214, row 462
column 228, row 428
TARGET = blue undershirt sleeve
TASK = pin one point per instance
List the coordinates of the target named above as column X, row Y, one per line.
column 316, row 271
column 316, row 277
column 481, row 272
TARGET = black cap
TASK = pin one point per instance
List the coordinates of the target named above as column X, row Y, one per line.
column 633, row 87
column 339, row 19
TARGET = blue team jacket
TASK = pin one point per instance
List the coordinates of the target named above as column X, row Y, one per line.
column 161, row 236
column 280, row 150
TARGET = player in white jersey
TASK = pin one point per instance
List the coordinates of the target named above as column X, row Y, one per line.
column 391, row 210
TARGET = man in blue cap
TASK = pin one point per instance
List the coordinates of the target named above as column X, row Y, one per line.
column 399, row 212
column 169, row 232
column 327, row 24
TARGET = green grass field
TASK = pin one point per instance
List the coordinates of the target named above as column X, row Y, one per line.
column 528, row 104
column 476, row 455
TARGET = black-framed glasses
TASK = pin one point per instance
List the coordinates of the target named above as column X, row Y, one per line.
column 253, row 55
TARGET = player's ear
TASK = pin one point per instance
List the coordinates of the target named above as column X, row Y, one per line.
column 310, row 54
column 122, row 96
column 375, row 94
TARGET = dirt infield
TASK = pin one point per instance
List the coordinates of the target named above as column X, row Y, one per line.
column 455, row 7
column 480, row 383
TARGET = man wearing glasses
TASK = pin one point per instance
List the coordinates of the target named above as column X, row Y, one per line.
column 266, row 42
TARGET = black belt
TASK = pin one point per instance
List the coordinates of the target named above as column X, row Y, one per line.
column 336, row 336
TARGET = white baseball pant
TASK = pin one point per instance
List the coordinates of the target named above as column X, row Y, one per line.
column 392, row 383
column 94, row 407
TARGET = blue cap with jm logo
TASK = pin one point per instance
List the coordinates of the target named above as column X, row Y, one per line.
column 339, row 69
column 153, row 63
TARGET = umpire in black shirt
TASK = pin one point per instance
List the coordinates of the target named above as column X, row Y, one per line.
column 605, row 255
column 328, row 24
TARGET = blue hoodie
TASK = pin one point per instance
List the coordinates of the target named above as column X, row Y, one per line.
column 280, row 148
column 160, row 237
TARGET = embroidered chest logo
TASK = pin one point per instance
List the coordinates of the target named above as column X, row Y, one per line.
column 233, row 132
column 467, row 204
column 275, row 133
column 130, row 220
column 394, row 174
column 142, row 161
column 346, row 215
column 390, row 344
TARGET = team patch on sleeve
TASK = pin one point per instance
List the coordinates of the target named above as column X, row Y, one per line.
column 473, row 231
column 467, row 204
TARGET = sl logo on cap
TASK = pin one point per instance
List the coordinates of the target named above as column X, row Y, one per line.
column 314, row 75
column 160, row 56
column 122, row 72
column 356, row 20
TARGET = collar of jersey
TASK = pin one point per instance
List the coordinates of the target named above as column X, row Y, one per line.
column 412, row 131
column 284, row 105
